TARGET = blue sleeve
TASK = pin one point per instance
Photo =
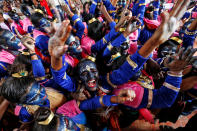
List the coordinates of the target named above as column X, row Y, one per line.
column 187, row 15
column 110, row 8
column 112, row 25
column 188, row 38
column 139, row 9
column 156, row 5
column 93, row 7
column 79, row 26
column 117, row 42
column 102, row 44
column 62, row 78
column 13, row 30
column 38, row 69
column 42, row 42
column 163, row 97
column 126, row 71
column 24, row 116
column 96, row 102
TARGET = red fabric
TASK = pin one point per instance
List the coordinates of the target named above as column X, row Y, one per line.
column 18, row 27
column 44, row 58
column 45, row 5
column 151, row 24
column 145, row 114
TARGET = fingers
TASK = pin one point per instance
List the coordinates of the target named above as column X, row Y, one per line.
column 186, row 53
column 182, row 10
column 64, row 30
column 176, row 7
column 165, row 17
column 193, row 51
column 193, row 60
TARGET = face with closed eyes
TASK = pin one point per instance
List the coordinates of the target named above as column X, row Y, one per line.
column 36, row 95
column 89, row 75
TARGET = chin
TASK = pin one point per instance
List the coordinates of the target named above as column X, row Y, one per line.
column 92, row 88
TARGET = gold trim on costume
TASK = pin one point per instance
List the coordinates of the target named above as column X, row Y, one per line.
column 190, row 33
column 82, row 127
column 142, row 4
column 174, row 75
column 3, row 66
column 109, row 82
column 122, row 29
column 111, row 11
column 104, row 40
column 109, row 46
column 91, row 58
column 150, row 98
column 91, row 20
column 38, row 10
column 101, row 101
column 116, row 55
column 48, row 120
column 31, row 108
column 171, row 87
column 177, row 40
column 131, row 63
column 76, row 21
column 157, row 9
column 25, row 53
column 40, row 78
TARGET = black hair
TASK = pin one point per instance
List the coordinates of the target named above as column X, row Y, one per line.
column 147, row 12
column 35, row 18
column 167, row 43
column 24, row 10
column 41, row 115
column 95, row 30
column 11, row 13
column 21, row 62
column 2, row 39
column 13, row 89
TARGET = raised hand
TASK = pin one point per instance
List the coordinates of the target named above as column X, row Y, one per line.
column 170, row 21
column 168, row 26
column 29, row 43
column 57, row 45
column 181, row 60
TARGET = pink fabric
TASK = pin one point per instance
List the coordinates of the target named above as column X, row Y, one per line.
column 133, row 48
column 194, row 15
column 100, row 19
column 139, row 91
column 6, row 57
column 195, row 87
column 70, row 60
column 175, row 34
column 69, row 109
column 152, row 24
column 133, row 45
column 26, row 24
column 86, row 42
column 37, row 33
column 17, row 110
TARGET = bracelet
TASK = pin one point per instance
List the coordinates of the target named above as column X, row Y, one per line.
column 188, row 32
column 171, row 73
column 33, row 54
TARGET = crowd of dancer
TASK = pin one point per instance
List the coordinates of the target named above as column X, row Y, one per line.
column 97, row 64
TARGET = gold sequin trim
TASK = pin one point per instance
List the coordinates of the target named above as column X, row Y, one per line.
column 150, row 98
column 40, row 78
column 171, row 87
column 3, row 66
column 101, row 101
column 131, row 63
column 76, row 21
column 110, row 46
column 109, row 82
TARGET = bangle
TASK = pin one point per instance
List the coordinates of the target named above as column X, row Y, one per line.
column 32, row 54
column 175, row 74
column 188, row 32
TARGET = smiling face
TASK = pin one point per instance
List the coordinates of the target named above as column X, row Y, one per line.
column 89, row 75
